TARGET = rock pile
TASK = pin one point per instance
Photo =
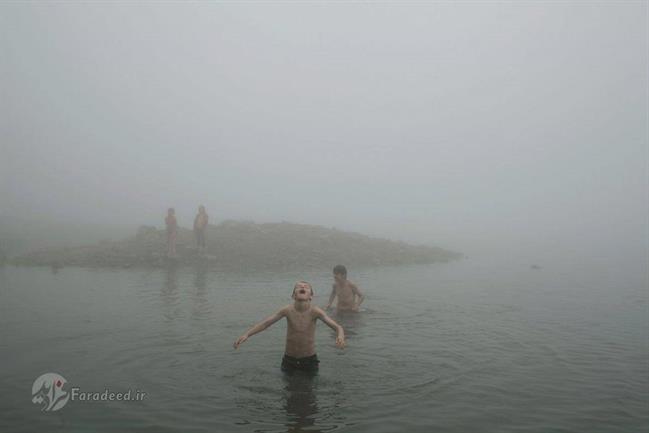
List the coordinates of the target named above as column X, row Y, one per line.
column 245, row 245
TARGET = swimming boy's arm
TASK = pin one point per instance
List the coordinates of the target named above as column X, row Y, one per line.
column 331, row 297
column 359, row 294
column 261, row 326
column 340, row 337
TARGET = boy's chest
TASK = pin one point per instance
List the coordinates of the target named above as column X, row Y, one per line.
column 344, row 291
column 301, row 322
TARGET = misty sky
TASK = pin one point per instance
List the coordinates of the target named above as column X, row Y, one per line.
column 454, row 124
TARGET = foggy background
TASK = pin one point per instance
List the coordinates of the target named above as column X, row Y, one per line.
column 518, row 127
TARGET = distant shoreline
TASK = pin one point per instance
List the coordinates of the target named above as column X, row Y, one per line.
column 242, row 245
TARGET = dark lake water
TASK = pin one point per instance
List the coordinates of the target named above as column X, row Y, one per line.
column 460, row 347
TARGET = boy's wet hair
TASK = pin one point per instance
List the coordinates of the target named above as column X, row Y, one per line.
column 171, row 210
column 305, row 282
column 340, row 270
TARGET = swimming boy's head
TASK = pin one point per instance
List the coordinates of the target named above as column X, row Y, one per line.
column 201, row 209
column 340, row 273
column 302, row 291
column 171, row 211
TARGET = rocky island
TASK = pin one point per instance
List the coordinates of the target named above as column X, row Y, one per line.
column 243, row 245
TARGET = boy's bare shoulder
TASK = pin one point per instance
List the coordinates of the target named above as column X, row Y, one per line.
column 317, row 311
column 285, row 310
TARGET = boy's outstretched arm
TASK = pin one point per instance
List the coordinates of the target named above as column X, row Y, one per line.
column 331, row 297
column 359, row 295
column 260, row 327
column 340, row 337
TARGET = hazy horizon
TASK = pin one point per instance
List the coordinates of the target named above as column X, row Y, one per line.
column 469, row 126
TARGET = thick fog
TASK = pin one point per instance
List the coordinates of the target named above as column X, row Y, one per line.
column 469, row 126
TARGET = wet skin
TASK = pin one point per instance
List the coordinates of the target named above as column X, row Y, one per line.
column 349, row 295
column 301, row 319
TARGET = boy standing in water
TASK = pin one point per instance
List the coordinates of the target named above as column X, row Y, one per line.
column 200, row 226
column 172, row 231
column 349, row 295
column 301, row 317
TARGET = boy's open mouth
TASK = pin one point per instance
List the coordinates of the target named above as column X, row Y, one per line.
column 302, row 291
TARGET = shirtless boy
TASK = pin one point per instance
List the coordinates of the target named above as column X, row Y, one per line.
column 300, row 332
column 349, row 295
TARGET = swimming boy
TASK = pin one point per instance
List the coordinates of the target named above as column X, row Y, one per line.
column 172, row 232
column 349, row 295
column 301, row 317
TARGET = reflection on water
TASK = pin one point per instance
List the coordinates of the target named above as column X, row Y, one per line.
column 170, row 287
column 301, row 403
column 172, row 296
column 169, row 292
column 200, row 277
column 452, row 348
column 201, row 306
column 350, row 321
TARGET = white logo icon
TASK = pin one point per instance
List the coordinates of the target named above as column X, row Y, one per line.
column 48, row 392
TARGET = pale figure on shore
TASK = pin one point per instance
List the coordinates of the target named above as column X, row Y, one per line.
column 172, row 232
column 200, row 228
